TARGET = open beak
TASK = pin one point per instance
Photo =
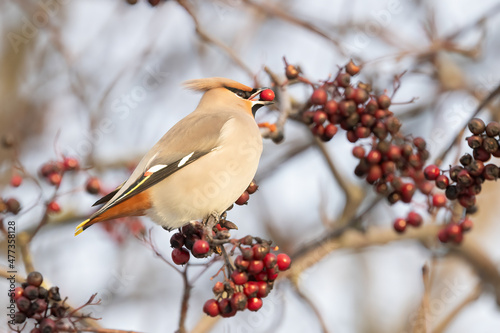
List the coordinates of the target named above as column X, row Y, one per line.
column 255, row 98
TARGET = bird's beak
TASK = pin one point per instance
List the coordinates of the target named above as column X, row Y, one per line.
column 255, row 98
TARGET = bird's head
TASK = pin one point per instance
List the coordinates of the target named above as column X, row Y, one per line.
column 221, row 93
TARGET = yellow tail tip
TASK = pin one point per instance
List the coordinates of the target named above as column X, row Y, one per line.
column 79, row 228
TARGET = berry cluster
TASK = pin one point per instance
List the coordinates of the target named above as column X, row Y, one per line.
column 251, row 279
column 35, row 302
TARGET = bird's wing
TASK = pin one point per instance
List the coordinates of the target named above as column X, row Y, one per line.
column 190, row 139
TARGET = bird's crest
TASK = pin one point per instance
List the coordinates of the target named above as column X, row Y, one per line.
column 214, row 82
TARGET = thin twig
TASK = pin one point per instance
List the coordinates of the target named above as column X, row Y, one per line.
column 212, row 40
column 184, row 302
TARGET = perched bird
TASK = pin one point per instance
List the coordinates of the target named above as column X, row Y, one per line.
column 200, row 166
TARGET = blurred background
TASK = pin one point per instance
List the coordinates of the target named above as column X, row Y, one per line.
column 100, row 81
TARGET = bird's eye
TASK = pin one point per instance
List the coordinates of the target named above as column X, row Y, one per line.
column 241, row 94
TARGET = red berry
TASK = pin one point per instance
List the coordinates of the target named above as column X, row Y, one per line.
column 218, row 288
column 442, row 181
column 320, row 117
column 239, row 278
column 16, row 180
column 343, row 79
column 211, row 308
column 466, row 225
column 93, row 185
column 443, row 235
column 329, row 133
column 254, row 304
column 243, row 199
column 252, row 188
column 263, row 289
column 374, row 174
column 384, row 101
column 267, row 95
column 362, row 132
column 358, row 152
column 41, row 305
column 352, row 68
column 251, row 288
column 453, row 230
column 55, row 178
column 399, row 225
column 18, row 292
column 374, row 157
column 70, row 163
column 255, row 266
column 270, row 260
column 431, row 172
column 200, row 247
column 331, row 107
column 319, row 96
column 407, row 192
column 439, row 200
column 239, row 301
column 260, row 251
column 272, row 275
column 284, row 261
column 414, row 219
column 180, row 256
column 262, row 276
column 318, row 130
column 53, row 207
column 394, row 153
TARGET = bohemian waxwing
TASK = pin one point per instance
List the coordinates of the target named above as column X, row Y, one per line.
column 199, row 167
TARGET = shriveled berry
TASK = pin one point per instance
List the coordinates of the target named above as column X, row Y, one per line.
column 400, row 225
column 23, row 303
column 431, row 172
column 225, row 308
column 466, row 159
column 93, row 185
column 267, row 95
column 393, row 124
column 177, row 240
column 384, row 101
column 247, row 253
column 439, row 200
column 218, row 288
column 243, row 199
column 239, row 301
column 343, row 79
column 464, row 178
column 19, row 317
column 41, row 305
column 254, row 304
column 490, row 145
column 493, row 129
column 419, row 143
column 347, row 108
column 442, row 182
column 54, row 294
column 475, row 141
column 291, row 72
column 34, row 279
column 481, row 154
column 239, row 278
column 352, row 68
column 476, row 126
column 454, row 172
column 201, row 247
column 451, row 192
column 491, row 172
column 260, row 251
column 475, row 168
column 414, row 219
column 211, row 308
column 180, row 256
column 241, row 263
column 284, row 261
column 47, row 325
column 319, row 96
column 368, row 120
column 380, row 130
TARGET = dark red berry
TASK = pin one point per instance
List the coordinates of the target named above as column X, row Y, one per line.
column 225, row 308
column 318, row 130
column 270, row 260
column 329, row 133
column 177, row 240
column 442, row 182
column 211, row 308
column 180, row 256
column 414, row 219
column 243, row 199
column 241, row 263
column 493, row 129
column 255, row 266
column 443, row 235
column 260, row 251
column 491, row 172
column 400, row 225
column 319, row 96
column 439, row 200
column 481, row 154
column 93, row 185
column 343, row 79
column 263, row 289
column 374, row 174
column 407, row 192
column 358, row 152
column 19, row 317
column 466, row 225
column 239, row 301
column 251, row 288
column 384, row 101
column 467, row 200
column 374, row 157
